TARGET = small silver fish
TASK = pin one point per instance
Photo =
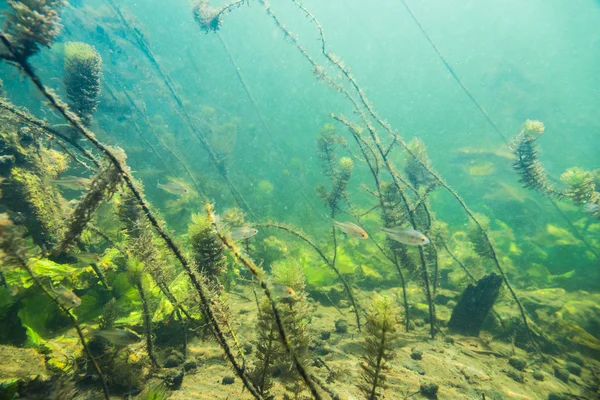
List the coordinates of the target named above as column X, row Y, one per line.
column 64, row 296
column 283, row 292
column 72, row 182
column 591, row 208
column 118, row 337
column 173, row 188
column 242, row 233
column 352, row 230
column 406, row 236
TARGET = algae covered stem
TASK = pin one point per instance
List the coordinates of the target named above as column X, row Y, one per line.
column 258, row 276
column 127, row 178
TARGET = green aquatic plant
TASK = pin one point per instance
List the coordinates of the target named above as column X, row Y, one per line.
column 135, row 272
column 102, row 187
column 83, row 71
column 259, row 276
column 208, row 18
column 31, row 24
column 339, row 173
column 13, row 252
column 580, row 185
column 123, row 169
column 532, row 173
column 209, row 252
column 378, row 347
column 480, row 245
column 268, row 351
column 294, row 312
column 416, row 171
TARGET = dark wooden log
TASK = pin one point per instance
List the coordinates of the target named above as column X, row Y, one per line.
column 474, row 305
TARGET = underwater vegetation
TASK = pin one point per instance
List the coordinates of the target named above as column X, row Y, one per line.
column 105, row 294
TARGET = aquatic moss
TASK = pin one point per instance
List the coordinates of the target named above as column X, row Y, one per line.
column 580, row 184
column 82, row 79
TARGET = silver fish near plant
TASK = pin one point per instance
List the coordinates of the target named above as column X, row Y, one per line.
column 72, row 182
column 118, row 337
column 64, row 296
column 173, row 188
column 406, row 236
column 352, row 230
column 242, row 233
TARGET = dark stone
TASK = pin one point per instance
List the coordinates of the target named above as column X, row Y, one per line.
column 174, row 360
column 573, row 368
column 190, row 365
column 517, row 363
column 341, row 326
column 325, row 335
column 322, row 350
column 227, row 380
column 247, row 348
column 562, row 374
column 516, row 376
column 449, row 339
column 429, row 390
column 474, row 305
column 416, row 354
column 538, row 376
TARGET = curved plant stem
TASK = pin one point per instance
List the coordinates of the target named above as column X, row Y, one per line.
column 331, row 265
column 123, row 169
column 196, row 133
column 258, row 275
column 362, row 96
column 50, row 131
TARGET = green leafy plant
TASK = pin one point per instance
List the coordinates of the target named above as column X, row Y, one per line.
column 378, row 347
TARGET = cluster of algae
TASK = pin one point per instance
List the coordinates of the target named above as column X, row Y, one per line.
column 134, row 282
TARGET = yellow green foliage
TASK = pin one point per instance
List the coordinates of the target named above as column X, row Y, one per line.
column 580, row 184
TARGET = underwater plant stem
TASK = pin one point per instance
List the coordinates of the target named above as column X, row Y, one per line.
column 492, row 124
column 257, row 274
column 302, row 236
column 196, row 133
column 163, row 144
column 453, row 74
column 259, row 113
column 404, row 296
column 373, row 393
column 62, row 108
column 51, row 131
column 409, row 214
column 147, row 324
column 23, row 263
